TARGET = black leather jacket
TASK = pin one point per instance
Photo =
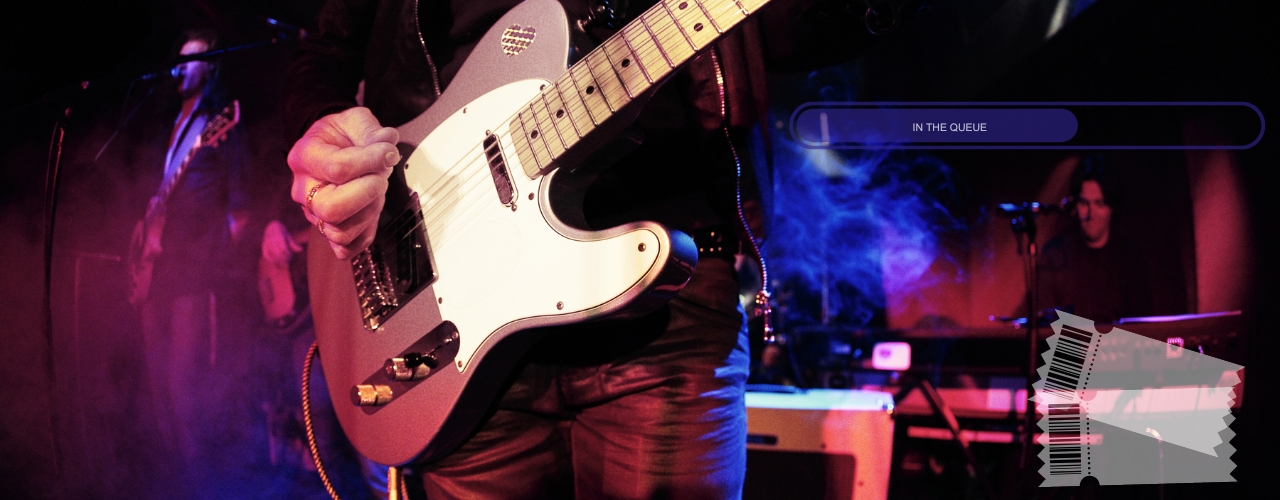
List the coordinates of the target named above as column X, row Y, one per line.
column 407, row 51
column 410, row 49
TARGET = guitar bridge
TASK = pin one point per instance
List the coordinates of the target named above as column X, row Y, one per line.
column 395, row 267
column 373, row 285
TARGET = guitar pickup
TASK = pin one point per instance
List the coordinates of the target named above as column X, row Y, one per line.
column 395, row 267
column 498, row 169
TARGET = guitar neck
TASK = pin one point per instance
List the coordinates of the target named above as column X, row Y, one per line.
column 214, row 129
column 629, row 63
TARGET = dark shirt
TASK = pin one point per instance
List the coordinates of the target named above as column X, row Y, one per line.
column 1103, row 284
column 197, row 241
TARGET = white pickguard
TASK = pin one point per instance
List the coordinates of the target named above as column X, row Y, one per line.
column 497, row 265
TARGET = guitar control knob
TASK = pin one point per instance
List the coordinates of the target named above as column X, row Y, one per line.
column 400, row 370
column 414, row 359
column 370, row 395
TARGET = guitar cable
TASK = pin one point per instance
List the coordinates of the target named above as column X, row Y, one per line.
column 396, row 487
column 306, row 419
column 763, row 307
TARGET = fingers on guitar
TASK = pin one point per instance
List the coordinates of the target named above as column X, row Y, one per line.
column 357, row 245
column 353, row 162
column 336, row 203
column 356, row 229
column 316, row 157
column 362, row 128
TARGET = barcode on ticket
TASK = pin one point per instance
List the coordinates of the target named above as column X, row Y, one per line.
column 1112, row 384
column 1065, row 444
column 1068, row 362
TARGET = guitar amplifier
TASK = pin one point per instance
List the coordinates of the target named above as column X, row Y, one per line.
column 821, row 444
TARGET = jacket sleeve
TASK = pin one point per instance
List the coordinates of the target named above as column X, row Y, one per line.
column 329, row 65
column 806, row 35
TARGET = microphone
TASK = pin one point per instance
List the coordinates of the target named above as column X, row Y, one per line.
column 175, row 72
column 1034, row 208
column 286, row 30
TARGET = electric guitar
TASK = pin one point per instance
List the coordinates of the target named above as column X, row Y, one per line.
column 142, row 257
column 282, row 290
column 479, row 242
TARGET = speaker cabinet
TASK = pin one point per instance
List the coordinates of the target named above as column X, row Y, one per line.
column 821, row 444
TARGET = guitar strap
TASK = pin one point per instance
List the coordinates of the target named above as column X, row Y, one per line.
column 180, row 142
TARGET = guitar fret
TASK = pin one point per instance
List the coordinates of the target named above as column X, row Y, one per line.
column 573, row 106
column 724, row 14
column 589, row 91
column 524, row 151
column 610, row 86
column 536, row 141
column 626, row 65
column 559, row 117
column 623, row 61
column 577, row 107
column 692, row 22
column 652, row 60
column 707, row 15
column 673, row 42
column 635, row 57
column 596, row 82
column 555, row 144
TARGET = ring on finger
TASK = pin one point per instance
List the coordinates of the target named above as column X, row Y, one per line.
column 312, row 194
column 320, row 226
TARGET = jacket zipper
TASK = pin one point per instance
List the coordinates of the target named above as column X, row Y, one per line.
column 763, row 308
column 417, row 25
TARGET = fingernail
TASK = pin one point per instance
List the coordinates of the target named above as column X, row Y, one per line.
column 393, row 158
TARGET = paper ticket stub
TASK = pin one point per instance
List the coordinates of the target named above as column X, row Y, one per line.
column 1127, row 409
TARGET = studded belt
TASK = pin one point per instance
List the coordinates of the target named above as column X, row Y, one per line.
column 716, row 241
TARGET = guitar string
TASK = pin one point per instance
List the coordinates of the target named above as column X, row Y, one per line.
column 577, row 107
column 471, row 157
column 444, row 235
column 622, row 78
column 542, row 95
column 621, row 81
column 592, row 105
column 648, row 30
column 560, row 98
column 644, row 38
column 575, row 137
column 566, row 142
column 616, row 35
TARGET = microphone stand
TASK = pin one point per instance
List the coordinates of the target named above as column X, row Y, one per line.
column 60, row 101
column 1023, row 222
column 201, row 56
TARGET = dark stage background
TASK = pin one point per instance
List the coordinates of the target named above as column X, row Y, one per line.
column 910, row 239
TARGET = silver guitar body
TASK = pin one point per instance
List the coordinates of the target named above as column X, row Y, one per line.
column 499, row 259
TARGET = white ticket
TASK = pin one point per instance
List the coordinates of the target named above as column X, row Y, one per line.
column 1163, row 410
